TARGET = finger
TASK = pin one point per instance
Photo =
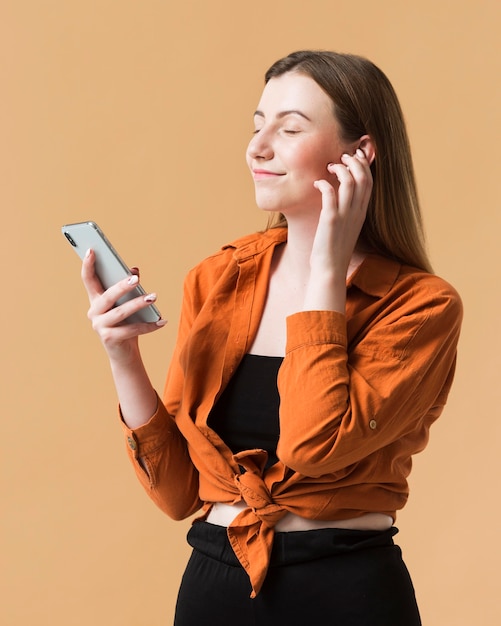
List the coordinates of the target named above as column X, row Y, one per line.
column 90, row 280
column 105, row 300
column 118, row 334
column 346, row 185
column 359, row 169
column 329, row 196
column 362, row 166
column 120, row 314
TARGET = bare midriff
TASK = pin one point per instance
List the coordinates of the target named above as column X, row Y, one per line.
column 224, row 514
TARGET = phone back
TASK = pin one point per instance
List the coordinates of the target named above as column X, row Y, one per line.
column 109, row 266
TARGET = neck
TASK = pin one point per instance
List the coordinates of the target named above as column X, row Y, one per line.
column 295, row 257
column 297, row 252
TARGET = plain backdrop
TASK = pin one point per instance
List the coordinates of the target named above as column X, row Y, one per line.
column 136, row 114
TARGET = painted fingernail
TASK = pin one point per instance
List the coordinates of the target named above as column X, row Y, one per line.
column 132, row 280
column 151, row 297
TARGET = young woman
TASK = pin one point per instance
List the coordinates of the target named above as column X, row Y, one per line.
column 311, row 360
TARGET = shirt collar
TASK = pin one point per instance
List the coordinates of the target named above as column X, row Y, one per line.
column 375, row 276
column 249, row 246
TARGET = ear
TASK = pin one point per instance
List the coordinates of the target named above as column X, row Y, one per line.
column 367, row 146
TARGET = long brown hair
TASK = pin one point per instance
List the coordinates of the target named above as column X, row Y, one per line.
column 365, row 103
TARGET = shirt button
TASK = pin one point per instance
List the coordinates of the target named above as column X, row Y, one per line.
column 132, row 443
column 373, row 424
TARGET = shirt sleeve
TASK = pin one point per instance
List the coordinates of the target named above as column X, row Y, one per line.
column 339, row 403
column 158, row 450
column 160, row 458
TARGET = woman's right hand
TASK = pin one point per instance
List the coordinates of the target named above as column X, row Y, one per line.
column 119, row 339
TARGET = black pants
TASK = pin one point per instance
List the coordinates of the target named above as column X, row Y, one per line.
column 326, row 577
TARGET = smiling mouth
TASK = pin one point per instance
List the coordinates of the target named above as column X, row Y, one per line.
column 264, row 174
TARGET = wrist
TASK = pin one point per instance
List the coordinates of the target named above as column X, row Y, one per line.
column 326, row 291
column 124, row 355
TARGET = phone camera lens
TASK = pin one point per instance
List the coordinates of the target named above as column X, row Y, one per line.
column 70, row 239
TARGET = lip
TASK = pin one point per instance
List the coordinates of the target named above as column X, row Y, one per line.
column 260, row 174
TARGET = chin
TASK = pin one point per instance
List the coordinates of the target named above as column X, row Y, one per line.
column 268, row 205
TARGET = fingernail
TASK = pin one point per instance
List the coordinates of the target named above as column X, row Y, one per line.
column 360, row 153
column 151, row 297
column 161, row 322
column 132, row 280
column 344, row 157
column 87, row 254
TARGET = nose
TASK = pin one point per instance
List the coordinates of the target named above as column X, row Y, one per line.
column 260, row 146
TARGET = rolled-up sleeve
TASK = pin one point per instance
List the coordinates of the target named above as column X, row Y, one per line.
column 160, row 458
column 341, row 401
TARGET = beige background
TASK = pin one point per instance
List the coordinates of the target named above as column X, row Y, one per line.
column 137, row 114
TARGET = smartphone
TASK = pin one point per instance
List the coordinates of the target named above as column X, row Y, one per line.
column 110, row 268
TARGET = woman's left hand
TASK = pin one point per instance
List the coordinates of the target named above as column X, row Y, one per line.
column 343, row 212
column 341, row 219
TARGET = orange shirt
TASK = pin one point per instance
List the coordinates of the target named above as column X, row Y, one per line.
column 358, row 393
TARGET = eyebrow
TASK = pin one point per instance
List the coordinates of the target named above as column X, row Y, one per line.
column 285, row 113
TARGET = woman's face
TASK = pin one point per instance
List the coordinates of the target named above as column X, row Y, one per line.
column 296, row 136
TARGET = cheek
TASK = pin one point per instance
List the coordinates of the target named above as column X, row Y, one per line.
column 312, row 162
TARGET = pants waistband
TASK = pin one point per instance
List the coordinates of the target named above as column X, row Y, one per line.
column 291, row 547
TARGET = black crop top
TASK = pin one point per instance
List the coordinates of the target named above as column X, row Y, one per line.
column 245, row 416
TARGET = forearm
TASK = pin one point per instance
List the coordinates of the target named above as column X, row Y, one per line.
column 136, row 395
column 326, row 291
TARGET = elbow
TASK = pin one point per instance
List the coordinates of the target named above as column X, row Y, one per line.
column 179, row 516
column 302, row 460
column 177, row 510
